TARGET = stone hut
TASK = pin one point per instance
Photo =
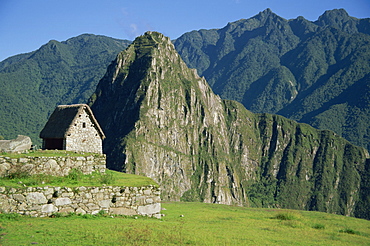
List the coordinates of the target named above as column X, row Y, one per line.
column 73, row 128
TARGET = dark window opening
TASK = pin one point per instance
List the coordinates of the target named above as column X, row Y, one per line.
column 84, row 125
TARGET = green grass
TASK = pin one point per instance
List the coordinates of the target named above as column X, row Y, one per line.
column 190, row 224
column 76, row 178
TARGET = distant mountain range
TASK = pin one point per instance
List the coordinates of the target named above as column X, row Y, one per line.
column 313, row 72
column 33, row 84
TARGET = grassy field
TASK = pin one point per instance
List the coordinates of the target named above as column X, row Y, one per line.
column 190, row 224
column 183, row 223
column 76, row 178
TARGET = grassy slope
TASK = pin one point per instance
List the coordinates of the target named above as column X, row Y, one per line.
column 75, row 179
column 202, row 224
column 110, row 177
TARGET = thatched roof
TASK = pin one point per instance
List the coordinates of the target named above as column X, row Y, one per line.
column 63, row 118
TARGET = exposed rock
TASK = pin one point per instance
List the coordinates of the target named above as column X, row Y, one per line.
column 105, row 203
column 5, row 205
column 19, row 197
column 48, row 208
column 149, row 209
column 4, row 168
column 52, row 167
column 36, row 198
column 163, row 121
column 20, row 144
column 66, row 210
column 62, row 201
column 123, row 211
column 27, row 168
column 80, row 211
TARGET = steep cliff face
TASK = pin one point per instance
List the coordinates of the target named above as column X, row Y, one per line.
column 163, row 121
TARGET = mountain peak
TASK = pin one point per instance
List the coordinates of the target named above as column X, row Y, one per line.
column 334, row 13
column 152, row 38
column 338, row 18
column 155, row 36
column 146, row 90
column 267, row 11
column 163, row 121
column 267, row 17
column 263, row 13
column 150, row 42
column 149, row 66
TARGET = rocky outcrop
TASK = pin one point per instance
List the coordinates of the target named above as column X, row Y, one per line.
column 20, row 144
column 45, row 201
column 163, row 121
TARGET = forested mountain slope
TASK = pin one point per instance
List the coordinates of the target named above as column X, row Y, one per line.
column 163, row 121
column 67, row 72
column 314, row 72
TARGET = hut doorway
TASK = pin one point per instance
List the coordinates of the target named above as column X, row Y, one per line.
column 53, row 143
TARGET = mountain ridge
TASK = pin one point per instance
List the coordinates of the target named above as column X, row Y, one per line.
column 272, row 89
column 288, row 67
column 33, row 84
column 163, row 121
column 274, row 160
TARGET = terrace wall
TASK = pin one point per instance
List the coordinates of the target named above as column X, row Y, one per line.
column 45, row 201
column 57, row 166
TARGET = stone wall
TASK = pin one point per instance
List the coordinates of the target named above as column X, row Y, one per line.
column 44, row 201
column 84, row 136
column 57, row 166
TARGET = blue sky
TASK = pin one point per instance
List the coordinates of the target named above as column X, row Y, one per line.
column 25, row 25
